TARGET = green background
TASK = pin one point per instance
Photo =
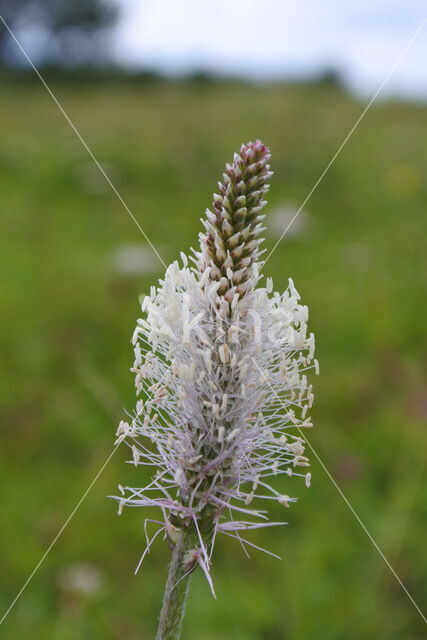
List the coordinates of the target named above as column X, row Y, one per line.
column 68, row 312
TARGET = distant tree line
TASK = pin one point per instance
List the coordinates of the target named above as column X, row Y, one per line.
column 63, row 33
column 70, row 39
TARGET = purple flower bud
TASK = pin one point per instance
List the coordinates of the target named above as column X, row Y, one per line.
column 235, row 218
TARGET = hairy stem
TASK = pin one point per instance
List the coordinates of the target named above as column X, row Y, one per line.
column 177, row 587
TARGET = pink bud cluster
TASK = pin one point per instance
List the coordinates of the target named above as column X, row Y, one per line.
column 229, row 248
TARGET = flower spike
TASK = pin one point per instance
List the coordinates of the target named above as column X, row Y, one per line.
column 221, row 374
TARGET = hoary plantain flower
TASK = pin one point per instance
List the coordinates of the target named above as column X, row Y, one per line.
column 220, row 371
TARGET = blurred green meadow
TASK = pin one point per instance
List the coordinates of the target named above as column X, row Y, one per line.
column 72, row 267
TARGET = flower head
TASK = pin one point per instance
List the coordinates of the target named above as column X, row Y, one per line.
column 220, row 370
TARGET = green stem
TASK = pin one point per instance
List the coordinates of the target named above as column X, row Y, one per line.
column 177, row 587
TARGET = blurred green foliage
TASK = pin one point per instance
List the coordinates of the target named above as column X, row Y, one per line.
column 69, row 305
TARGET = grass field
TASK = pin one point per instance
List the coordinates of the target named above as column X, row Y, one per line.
column 72, row 266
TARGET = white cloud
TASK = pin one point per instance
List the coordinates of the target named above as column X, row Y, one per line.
column 274, row 38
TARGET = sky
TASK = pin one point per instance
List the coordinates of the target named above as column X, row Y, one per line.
column 274, row 39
